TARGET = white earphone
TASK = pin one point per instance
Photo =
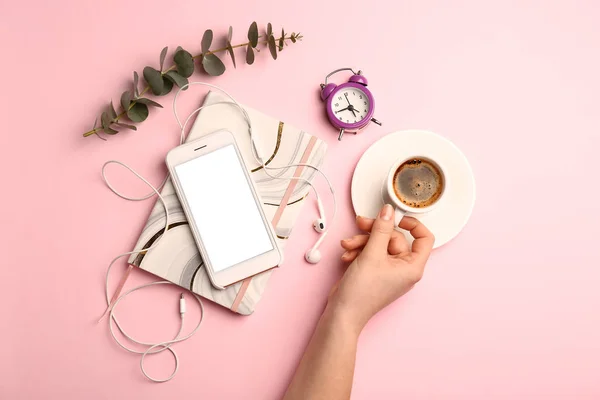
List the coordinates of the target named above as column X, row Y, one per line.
column 320, row 225
column 313, row 255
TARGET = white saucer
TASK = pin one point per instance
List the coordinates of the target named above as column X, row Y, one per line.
column 448, row 218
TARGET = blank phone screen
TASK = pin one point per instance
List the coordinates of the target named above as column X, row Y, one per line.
column 223, row 207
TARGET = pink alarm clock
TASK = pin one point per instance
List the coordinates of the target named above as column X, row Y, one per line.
column 350, row 106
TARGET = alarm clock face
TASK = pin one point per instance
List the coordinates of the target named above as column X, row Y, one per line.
column 350, row 106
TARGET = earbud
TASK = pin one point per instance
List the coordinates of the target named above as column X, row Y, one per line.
column 313, row 255
column 320, row 224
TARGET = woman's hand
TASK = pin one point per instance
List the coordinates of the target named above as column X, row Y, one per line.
column 383, row 266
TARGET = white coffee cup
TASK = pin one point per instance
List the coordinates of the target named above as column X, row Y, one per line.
column 389, row 194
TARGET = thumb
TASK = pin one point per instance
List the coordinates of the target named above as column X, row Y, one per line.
column 381, row 231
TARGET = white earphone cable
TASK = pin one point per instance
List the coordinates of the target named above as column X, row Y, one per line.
column 154, row 348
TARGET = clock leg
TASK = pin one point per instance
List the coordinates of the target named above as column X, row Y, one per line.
column 376, row 121
column 341, row 134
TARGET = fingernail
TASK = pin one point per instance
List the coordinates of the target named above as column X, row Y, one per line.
column 386, row 212
column 358, row 216
column 401, row 219
column 346, row 254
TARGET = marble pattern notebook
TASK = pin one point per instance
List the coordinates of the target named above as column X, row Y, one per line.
column 176, row 257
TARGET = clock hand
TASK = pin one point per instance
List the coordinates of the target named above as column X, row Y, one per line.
column 351, row 108
column 343, row 109
column 346, row 94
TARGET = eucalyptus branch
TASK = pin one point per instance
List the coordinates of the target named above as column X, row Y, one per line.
column 160, row 81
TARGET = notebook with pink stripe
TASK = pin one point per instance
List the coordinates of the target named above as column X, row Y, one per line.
column 176, row 257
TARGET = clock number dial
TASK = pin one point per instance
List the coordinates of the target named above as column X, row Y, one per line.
column 351, row 105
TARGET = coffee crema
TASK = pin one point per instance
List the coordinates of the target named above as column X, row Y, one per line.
column 418, row 183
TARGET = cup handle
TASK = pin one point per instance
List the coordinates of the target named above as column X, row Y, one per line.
column 398, row 215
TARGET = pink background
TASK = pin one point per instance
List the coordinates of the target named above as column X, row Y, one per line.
column 510, row 309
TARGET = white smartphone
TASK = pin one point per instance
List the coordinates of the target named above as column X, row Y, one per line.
column 223, row 209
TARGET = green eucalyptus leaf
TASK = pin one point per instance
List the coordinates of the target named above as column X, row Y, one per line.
column 148, row 102
column 231, row 53
column 281, row 42
column 112, row 113
column 230, row 34
column 272, row 47
column 126, row 100
column 110, row 130
column 96, row 131
column 135, row 84
column 213, row 65
column 105, row 120
column 293, row 37
column 253, row 34
column 154, row 79
column 177, row 79
column 269, row 29
column 167, row 86
column 163, row 54
column 127, row 126
column 138, row 112
column 97, row 134
column 249, row 55
column 184, row 62
column 207, row 40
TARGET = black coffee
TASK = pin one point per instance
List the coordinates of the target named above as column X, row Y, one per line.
column 418, row 183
